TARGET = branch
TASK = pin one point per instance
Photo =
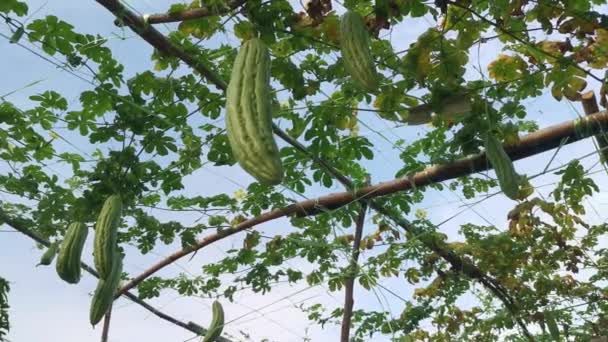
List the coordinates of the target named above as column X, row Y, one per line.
column 349, row 285
column 194, row 13
column 21, row 225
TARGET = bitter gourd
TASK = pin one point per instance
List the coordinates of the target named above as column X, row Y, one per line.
column 106, row 228
column 249, row 114
column 68, row 261
column 356, row 54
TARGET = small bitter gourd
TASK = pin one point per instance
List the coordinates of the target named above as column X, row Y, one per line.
column 48, row 255
column 217, row 323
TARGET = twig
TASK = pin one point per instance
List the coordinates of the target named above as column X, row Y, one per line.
column 106, row 325
column 349, row 285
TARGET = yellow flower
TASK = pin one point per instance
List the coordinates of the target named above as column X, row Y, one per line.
column 240, row 195
column 420, row 214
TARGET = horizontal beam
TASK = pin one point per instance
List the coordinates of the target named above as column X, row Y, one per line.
column 531, row 144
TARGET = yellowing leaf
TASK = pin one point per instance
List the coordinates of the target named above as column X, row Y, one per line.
column 557, row 93
column 331, row 29
column 160, row 66
column 244, row 30
column 599, row 50
column 507, row 68
column 187, row 27
column 571, row 94
column 343, row 123
column 551, row 47
column 526, row 189
column 577, row 83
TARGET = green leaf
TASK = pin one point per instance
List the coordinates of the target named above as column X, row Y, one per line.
column 18, row 7
column 552, row 325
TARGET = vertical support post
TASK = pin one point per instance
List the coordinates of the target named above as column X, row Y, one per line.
column 590, row 106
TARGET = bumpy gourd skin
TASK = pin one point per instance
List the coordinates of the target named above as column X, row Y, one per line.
column 106, row 228
column 70, row 252
column 249, row 114
column 508, row 178
column 104, row 293
column 217, row 323
column 356, row 54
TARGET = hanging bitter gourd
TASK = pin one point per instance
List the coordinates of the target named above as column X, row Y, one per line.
column 217, row 323
column 356, row 54
column 104, row 293
column 508, row 178
column 16, row 37
column 106, row 228
column 48, row 255
column 249, row 114
column 68, row 261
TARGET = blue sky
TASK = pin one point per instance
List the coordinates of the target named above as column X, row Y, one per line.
column 44, row 308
